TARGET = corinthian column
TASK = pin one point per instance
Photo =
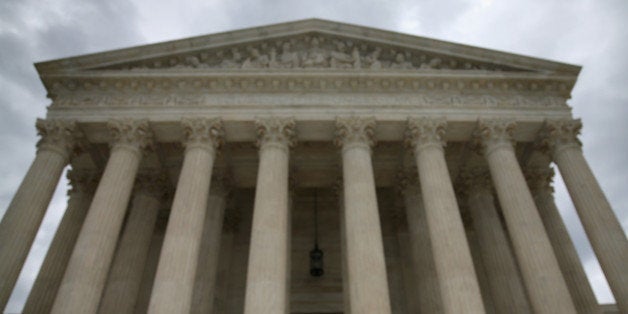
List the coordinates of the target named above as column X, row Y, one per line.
column 86, row 274
column 605, row 233
column 459, row 288
column 268, row 270
column 28, row 207
column 582, row 295
column 174, row 281
column 46, row 285
column 207, row 268
column 505, row 285
column 428, row 294
column 541, row 275
column 368, row 284
column 126, row 271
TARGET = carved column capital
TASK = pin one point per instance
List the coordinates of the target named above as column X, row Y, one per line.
column 134, row 134
column 475, row 179
column 221, row 183
column 408, row 181
column 57, row 135
column 539, row 180
column 492, row 134
column 559, row 134
column 202, row 132
column 425, row 132
column 82, row 181
column 352, row 131
column 276, row 131
column 152, row 182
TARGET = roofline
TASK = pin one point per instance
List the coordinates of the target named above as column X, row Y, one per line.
column 299, row 27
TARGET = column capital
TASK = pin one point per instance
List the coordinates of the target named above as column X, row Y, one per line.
column 474, row 179
column 82, row 180
column 202, row 132
column 539, row 179
column 276, row 131
column 221, row 183
column 556, row 135
column 152, row 182
column 134, row 134
column 57, row 135
column 425, row 132
column 408, row 181
column 352, row 131
column 492, row 134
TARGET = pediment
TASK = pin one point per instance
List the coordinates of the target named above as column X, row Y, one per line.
column 315, row 45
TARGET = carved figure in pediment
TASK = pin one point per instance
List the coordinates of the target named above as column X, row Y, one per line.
column 255, row 60
column 434, row 63
column 340, row 59
column 288, row 58
column 234, row 62
column 316, row 56
column 193, row 62
column 373, row 59
column 401, row 62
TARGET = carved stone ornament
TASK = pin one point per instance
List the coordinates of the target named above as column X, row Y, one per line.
column 558, row 134
column 276, row 130
column 311, row 51
column 57, row 135
column 129, row 132
column 201, row 131
column 491, row 134
column 82, row 181
column 423, row 132
column 475, row 178
column 165, row 90
column 408, row 181
column 540, row 179
column 152, row 182
column 355, row 130
column 221, row 183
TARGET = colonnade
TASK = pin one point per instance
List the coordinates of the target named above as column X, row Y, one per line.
column 96, row 260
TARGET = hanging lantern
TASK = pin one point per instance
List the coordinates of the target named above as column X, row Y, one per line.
column 316, row 255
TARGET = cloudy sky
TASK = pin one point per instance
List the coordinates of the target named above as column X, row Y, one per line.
column 590, row 33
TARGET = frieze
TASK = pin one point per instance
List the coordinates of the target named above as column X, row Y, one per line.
column 432, row 100
column 310, row 51
column 277, row 82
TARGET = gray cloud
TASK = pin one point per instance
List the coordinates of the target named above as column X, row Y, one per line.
column 593, row 34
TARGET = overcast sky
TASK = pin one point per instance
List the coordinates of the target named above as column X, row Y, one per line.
column 590, row 33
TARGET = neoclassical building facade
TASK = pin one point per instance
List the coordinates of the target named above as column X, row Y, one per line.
column 203, row 171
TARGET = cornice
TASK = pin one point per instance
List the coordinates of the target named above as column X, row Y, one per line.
column 461, row 83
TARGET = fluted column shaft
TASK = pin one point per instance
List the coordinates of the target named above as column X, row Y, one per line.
column 579, row 287
column 542, row 278
column 505, row 285
column 603, row 229
column 150, row 267
column 23, row 217
column 42, row 295
column 207, row 268
column 368, row 283
column 174, row 281
column 87, row 270
column 428, row 295
column 125, row 275
column 460, row 291
column 268, row 269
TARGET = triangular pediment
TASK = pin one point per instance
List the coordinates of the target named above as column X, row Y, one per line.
column 305, row 45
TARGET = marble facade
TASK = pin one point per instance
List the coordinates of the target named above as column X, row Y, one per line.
column 195, row 165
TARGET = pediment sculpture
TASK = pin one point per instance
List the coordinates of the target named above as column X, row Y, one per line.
column 311, row 51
